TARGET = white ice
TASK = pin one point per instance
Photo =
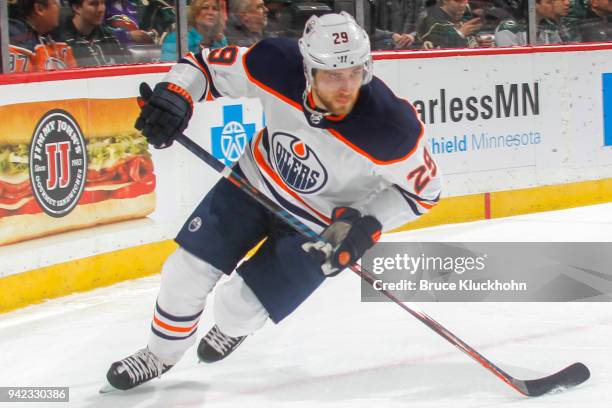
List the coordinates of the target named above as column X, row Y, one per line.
column 334, row 351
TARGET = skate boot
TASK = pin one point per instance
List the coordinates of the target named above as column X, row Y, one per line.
column 134, row 370
column 216, row 345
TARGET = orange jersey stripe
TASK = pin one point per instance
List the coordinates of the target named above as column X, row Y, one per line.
column 426, row 205
column 364, row 153
column 267, row 88
column 333, row 118
column 193, row 59
column 344, row 140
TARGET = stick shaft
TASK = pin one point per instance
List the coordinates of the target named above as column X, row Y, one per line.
column 307, row 232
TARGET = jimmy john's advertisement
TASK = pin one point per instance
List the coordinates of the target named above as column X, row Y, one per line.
column 77, row 179
column 71, row 164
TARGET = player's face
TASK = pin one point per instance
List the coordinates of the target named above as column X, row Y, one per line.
column 91, row 12
column 337, row 90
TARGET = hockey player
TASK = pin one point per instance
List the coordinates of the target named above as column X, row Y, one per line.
column 340, row 151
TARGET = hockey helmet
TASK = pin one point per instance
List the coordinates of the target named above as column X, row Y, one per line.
column 335, row 41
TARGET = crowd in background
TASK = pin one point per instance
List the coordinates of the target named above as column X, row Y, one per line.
column 56, row 34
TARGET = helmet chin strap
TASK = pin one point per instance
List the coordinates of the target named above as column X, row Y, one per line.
column 315, row 116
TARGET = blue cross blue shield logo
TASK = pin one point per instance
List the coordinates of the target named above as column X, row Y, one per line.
column 607, row 108
column 230, row 139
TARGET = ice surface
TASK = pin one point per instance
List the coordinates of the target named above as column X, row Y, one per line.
column 334, row 351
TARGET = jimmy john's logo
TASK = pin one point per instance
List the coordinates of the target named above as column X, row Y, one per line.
column 297, row 164
column 58, row 163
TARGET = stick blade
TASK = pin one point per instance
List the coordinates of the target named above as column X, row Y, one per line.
column 569, row 377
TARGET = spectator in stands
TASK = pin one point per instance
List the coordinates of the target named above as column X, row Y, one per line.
column 492, row 13
column 93, row 42
column 279, row 18
column 451, row 24
column 388, row 40
column 159, row 16
column 31, row 47
column 516, row 7
column 400, row 16
column 123, row 18
column 505, row 8
column 387, row 32
column 514, row 31
column 247, row 22
column 595, row 25
column 560, row 11
column 569, row 24
column 206, row 25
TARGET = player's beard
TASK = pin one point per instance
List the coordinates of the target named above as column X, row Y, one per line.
column 337, row 107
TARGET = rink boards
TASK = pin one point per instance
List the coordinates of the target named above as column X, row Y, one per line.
column 513, row 130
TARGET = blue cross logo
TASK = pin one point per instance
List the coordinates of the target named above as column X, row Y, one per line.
column 229, row 141
column 606, row 79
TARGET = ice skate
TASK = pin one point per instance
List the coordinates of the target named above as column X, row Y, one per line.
column 217, row 345
column 134, row 370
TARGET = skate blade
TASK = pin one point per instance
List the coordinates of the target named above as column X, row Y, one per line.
column 106, row 388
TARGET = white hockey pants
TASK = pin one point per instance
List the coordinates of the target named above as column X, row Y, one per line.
column 185, row 284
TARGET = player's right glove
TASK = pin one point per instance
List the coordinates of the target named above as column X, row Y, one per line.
column 165, row 113
column 345, row 240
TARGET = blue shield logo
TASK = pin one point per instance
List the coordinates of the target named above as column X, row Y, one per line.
column 229, row 140
column 607, row 108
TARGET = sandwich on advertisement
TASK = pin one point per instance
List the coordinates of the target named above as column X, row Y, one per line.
column 71, row 164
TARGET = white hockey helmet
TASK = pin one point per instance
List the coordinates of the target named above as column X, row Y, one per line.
column 335, row 41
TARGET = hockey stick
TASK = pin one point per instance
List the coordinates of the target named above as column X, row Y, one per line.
column 573, row 375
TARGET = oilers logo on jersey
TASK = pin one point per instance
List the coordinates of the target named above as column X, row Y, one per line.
column 297, row 164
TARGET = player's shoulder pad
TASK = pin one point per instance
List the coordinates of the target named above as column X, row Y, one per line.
column 276, row 63
column 383, row 126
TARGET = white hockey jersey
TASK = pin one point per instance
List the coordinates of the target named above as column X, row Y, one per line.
column 373, row 159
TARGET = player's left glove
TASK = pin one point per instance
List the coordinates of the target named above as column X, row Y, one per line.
column 345, row 240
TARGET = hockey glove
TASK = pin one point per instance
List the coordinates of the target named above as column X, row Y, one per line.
column 165, row 113
column 344, row 241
